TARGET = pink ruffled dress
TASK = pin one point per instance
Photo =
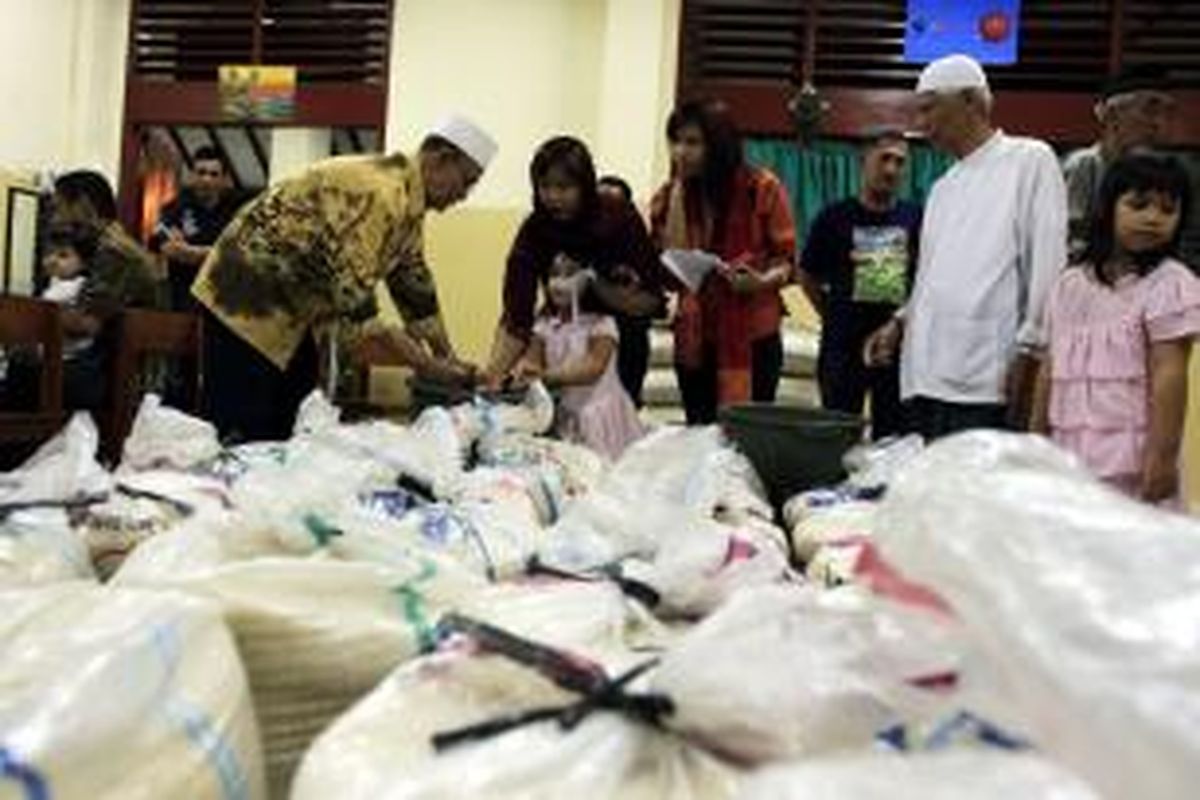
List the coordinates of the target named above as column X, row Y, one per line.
column 1100, row 339
column 601, row 415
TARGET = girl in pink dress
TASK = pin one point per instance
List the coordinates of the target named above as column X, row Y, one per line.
column 1121, row 326
column 576, row 351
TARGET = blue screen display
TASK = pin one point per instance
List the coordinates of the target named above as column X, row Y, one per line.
column 986, row 30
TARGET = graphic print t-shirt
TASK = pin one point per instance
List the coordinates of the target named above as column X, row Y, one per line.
column 866, row 261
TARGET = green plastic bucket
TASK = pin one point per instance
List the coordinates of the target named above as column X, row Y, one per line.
column 792, row 448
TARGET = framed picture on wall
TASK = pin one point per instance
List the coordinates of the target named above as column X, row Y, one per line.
column 20, row 238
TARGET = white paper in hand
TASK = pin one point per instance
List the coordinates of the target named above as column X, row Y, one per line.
column 690, row 266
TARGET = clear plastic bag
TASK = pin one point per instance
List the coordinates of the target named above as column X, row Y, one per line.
column 690, row 467
column 64, row 468
column 878, row 464
column 781, row 672
column 1081, row 603
column 478, row 536
column 318, row 627
column 949, row 776
column 111, row 695
column 815, row 526
column 38, row 546
column 382, row 749
column 166, row 437
column 674, row 485
column 560, row 471
column 697, row 569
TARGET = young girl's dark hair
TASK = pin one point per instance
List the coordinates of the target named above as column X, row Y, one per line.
column 80, row 238
column 570, row 155
column 91, row 186
column 1139, row 172
column 618, row 183
column 722, row 147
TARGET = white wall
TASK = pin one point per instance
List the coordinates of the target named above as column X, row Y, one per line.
column 294, row 149
column 637, row 90
column 62, row 83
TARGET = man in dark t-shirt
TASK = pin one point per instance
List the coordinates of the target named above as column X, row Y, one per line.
column 856, row 269
column 189, row 225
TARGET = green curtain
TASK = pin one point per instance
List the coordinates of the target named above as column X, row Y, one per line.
column 830, row 170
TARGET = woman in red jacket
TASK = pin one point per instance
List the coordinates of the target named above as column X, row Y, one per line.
column 727, row 344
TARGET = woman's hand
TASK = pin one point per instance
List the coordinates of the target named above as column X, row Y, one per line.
column 526, row 372
column 743, row 279
column 1160, row 479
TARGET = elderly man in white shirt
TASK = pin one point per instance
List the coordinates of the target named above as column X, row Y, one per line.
column 993, row 240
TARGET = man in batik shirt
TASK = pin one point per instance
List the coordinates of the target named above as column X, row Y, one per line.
column 307, row 255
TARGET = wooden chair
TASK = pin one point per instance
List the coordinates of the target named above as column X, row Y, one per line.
column 141, row 334
column 25, row 322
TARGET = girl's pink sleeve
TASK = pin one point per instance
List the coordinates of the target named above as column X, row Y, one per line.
column 605, row 328
column 1173, row 305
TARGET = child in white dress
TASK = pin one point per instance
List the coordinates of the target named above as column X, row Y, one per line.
column 576, row 352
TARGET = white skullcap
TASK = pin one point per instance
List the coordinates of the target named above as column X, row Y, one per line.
column 952, row 73
column 468, row 137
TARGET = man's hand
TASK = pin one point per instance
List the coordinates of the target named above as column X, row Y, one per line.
column 883, row 345
column 175, row 245
column 1019, row 391
column 451, row 371
column 375, row 347
column 433, row 332
column 176, row 248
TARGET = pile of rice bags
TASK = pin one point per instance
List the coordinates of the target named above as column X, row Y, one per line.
column 120, row 694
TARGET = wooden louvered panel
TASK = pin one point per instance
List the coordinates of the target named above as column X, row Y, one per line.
column 1064, row 46
column 189, row 39
column 328, row 40
column 753, row 39
column 740, row 51
column 1165, row 34
column 861, row 43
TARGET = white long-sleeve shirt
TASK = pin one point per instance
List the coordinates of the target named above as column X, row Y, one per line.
column 994, row 239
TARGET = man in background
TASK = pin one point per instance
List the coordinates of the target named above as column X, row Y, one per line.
column 189, row 225
column 1135, row 111
column 856, row 270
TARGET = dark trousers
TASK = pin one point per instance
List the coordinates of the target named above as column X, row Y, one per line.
column 845, row 382
column 936, row 419
column 180, row 278
column 633, row 356
column 246, row 396
column 698, row 387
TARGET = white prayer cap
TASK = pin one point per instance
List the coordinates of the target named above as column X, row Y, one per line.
column 952, row 73
column 468, row 137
